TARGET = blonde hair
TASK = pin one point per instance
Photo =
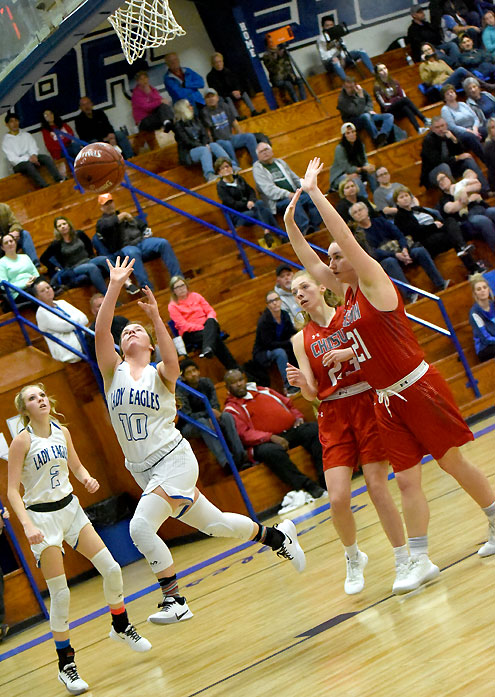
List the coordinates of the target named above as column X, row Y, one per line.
column 217, row 53
column 343, row 183
column 479, row 278
column 488, row 123
column 20, row 405
column 172, row 283
column 182, row 110
column 331, row 299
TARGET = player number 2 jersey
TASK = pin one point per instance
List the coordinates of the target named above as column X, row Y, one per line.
column 142, row 412
column 45, row 474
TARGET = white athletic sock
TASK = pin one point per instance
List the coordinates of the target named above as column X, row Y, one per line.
column 401, row 555
column 418, row 545
column 352, row 551
column 489, row 511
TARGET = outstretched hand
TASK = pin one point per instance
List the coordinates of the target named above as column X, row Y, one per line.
column 150, row 307
column 121, row 271
column 310, row 181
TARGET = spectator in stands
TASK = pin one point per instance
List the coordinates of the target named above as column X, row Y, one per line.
column 333, row 56
column 50, row 121
column 393, row 100
column 70, row 258
column 421, row 31
column 220, row 120
column 383, row 195
column 355, row 105
column 277, row 184
column 121, row 233
column 16, row 268
column 118, row 324
column 272, row 343
column 4, row 628
column 193, row 142
column 488, row 33
column 462, row 121
column 92, row 126
column 280, row 71
column 457, row 21
column 349, row 195
column 283, row 287
column 350, row 161
column 463, row 203
column 21, row 150
column 234, row 192
column 228, row 85
column 442, row 152
column 9, row 223
column 475, row 58
column 183, row 83
column 434, row 72
column 424, row 226
column 190, row 405
column 196, row 322
column 489, row 151
column 53, row 324
column 482, row 103
column 269, row 425
column 482, row 318
column 150, row 110
column 393, row 250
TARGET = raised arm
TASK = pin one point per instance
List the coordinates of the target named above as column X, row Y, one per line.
column 168, row 368
column 307, row 256
column 17, row 452
column 108, row 359
column 373, row 280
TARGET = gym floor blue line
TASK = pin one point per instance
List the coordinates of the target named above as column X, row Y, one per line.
column 202, row 565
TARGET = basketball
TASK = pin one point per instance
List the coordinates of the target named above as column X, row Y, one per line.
column 99, row 168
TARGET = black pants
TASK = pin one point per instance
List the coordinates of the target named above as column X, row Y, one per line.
column 209, row 337
column 2, row 605
column 278, row 460
column 155, row 120
column 487, row 353
column 33, row 172
column 404, row 107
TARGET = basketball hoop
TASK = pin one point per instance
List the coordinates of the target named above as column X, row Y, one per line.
column 142, row 24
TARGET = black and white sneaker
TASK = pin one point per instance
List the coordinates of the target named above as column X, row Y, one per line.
column 69, row 677
column 132, row 289
column 130, row 637
column 291, row 549
column 171, row 610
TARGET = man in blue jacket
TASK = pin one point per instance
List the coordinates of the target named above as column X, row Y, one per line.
column 183, row 83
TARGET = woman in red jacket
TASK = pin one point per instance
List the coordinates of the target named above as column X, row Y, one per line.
column 51, row 121
column 196, row 322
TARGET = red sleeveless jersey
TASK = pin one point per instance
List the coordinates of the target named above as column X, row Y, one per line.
column 318, row 341
column 383, row 342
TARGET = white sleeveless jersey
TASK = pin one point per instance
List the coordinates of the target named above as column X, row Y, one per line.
column 45, row 474
column 142, row 412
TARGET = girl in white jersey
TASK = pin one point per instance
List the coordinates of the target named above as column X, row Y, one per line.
column 141, row 402
column 40, row 457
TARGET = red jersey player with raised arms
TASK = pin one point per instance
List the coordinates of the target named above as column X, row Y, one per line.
column 415, row 409
column 346, row 424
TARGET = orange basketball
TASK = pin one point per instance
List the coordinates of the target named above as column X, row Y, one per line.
column 99, row 168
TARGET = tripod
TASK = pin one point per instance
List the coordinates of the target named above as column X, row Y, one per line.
column 299, row 72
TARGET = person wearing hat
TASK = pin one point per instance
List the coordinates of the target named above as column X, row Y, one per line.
column 21, row 150
column 220, row 121
column 283, row 287
column 120, row 234
column 350, row 161
column 355, row 105
column 421, row 31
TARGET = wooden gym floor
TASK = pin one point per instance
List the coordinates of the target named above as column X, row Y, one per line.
column 259, row 628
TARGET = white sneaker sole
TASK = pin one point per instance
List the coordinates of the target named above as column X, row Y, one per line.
column 433, row 573
column 157, row 619
column 299, row 560
column 349, row 590
column 79, row 691
column 487, row 550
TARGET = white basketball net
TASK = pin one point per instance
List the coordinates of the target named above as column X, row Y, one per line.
column 142, row 24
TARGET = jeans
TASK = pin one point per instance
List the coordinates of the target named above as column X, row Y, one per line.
column 279, row 356
column 240, row 140
column 469, row 141
column 421, row 256
column 289, row 87
column 147, row 249
column 227, row 425
column 260, row 211
column 456, row 78
column 209, row 338
column 204, row 155
column 370, row 122
column 455, row 172
column 278, row 460
column 92, row 269
column 483, row 223
column 33, row 172
column 393, row 268
column 124, row 145
column 451, row 53
column 306, row 214
column 336, row 66
column 27, row 244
